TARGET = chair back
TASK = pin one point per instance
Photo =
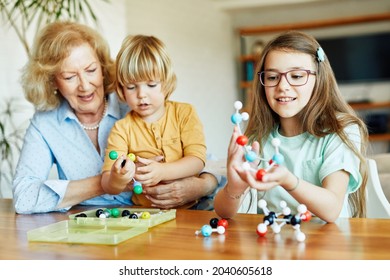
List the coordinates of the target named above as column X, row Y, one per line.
column 376, row 202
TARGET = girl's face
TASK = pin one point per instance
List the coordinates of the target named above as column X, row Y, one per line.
column 284, row 99
column 80, row 81
column 146, row 99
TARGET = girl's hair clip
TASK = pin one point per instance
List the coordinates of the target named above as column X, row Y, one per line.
column 320, row 54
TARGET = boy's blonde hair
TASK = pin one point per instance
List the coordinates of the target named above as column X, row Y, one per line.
column 144, row 58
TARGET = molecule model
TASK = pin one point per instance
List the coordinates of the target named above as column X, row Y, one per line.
column 215, row 225
column 251, row 156
column 137, row 186
column 276, row 223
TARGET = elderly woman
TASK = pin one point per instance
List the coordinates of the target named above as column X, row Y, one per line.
column 69, row 79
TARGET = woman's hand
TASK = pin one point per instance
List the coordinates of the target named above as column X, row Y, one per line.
column 173, row 194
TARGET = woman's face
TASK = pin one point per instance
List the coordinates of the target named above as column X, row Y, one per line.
column 80, row 81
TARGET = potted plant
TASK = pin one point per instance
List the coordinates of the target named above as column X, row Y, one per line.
column 23, row 15
column 11, row 138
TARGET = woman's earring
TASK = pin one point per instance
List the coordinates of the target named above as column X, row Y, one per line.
column 55, row 92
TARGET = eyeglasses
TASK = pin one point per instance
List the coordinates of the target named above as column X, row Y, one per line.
column 294, row 77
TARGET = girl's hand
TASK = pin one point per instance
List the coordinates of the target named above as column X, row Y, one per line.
column 235, row 163
column 277, row 175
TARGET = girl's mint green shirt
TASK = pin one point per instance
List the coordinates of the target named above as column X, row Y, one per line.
column 311, row 159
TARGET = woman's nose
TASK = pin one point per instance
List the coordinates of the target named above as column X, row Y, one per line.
column 84, row 84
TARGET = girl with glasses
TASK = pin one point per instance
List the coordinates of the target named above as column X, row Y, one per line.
column 297, row 101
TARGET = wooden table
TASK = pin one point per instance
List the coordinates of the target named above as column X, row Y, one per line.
column 348, row 239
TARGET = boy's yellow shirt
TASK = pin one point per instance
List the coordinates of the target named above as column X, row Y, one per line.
column 177, row 134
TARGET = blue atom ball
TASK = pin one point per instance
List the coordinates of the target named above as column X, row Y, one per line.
column 236, row 118
column 250, row 156
column 278, row 158
column 206, row 230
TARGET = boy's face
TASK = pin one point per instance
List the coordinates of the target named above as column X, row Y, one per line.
column 146, row 99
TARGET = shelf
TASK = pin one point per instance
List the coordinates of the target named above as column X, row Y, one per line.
column 248, row 57
column 370, row 105
column 244, row 84
column 314, row 24
column 379, row 137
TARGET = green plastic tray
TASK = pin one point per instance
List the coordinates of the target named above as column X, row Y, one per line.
column 93, row 230
column 72, row 232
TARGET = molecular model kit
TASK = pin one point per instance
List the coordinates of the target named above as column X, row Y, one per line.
column 137, row 186
column 272, row 219
column 215, row 225
column 102, row 226
column 251, row 156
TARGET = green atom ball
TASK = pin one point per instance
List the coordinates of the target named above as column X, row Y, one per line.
column 115, row 212
column 137, row 188
column 113, row 155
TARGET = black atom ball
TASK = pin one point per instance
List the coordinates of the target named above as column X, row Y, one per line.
column 125, row 213
column 214, row 222
column 82, row 215
column 270, row 218
column 295, row 221
column 99, row 212
column 133, row 216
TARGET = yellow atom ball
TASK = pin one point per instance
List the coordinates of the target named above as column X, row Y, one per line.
column 145, row 215
column 131, row 156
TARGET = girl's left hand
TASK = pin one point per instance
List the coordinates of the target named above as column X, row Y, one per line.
column 276, row 176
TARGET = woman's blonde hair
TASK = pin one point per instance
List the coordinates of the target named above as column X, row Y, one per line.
column 326, row 112
column 144, row 58
column 51, row 47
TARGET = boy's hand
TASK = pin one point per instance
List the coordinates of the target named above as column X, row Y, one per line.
column 149, row 172
column 122, row 172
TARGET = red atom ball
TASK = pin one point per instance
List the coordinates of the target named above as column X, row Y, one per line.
column 242, row 140
column 260, row 173
column 223, row 222
column 262, row 232
column 307, row 216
